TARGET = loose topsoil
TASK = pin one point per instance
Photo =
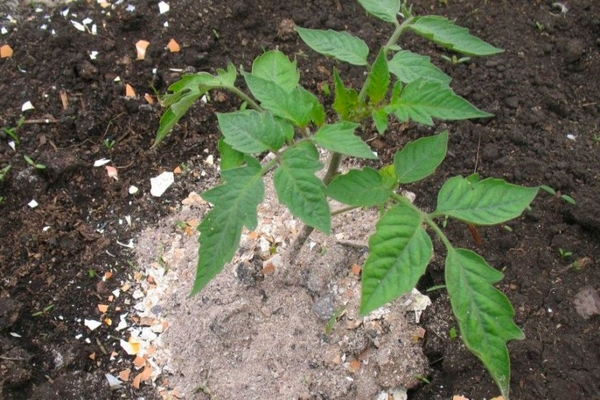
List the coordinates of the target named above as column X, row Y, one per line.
column 62, row 259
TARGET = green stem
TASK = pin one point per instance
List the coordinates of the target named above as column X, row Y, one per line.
column 427, row 217
column 332, row 170
column 343, row 210
column 244, row 97
column 400, row 28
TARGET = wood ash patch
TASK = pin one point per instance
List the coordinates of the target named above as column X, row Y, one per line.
column 267, row 327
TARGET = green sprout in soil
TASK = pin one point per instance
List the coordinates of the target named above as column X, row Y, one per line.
column 4, row 172
column 12, row 131
column 44, row 311
column 540, row 27
column 333, row 319
column 33, row 163
column 566, row 198
column 290, row 122
column 455, row 60
column 452, row 333
column 564, row 254
column 109, row 143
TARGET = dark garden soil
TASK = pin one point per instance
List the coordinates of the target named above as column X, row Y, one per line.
column 544, row 91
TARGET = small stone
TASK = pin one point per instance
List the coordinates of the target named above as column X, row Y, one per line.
column 324, row 307
column 574, row 49
column 587, row 302
column 512, row 102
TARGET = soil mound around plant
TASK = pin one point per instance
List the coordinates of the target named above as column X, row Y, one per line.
column 74, row 92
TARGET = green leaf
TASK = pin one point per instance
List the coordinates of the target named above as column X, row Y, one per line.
column 299, row 189
column 419, row 159
column 346, row 100
column 361, row 188
column 400, row 250
column 380, row 118
column 250, row 132
column 378, row 79
column 235, row 204
column 230, row 158
column 409, row 67
column 423, row 100
column 293, row 106
column 340, row 138
column 185, row 92
column 484, row 314
column 388, row 174
column 340, row 45
column 174, row 113
column 456, row 38
column 386, row 10
column 317, row 111
column 486, row 202
column 274, row 66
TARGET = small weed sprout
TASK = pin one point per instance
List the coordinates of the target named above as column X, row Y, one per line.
column 564, row 197
column 564, row 254
column 278, row 115
column 33, row 163
column 109, row 143
column 452, row 333
column 455, row 60
column 12, row 131
column 540, row 27
column 4, row 172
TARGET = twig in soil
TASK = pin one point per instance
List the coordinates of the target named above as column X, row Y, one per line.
column 50, row 120
column 13, row 358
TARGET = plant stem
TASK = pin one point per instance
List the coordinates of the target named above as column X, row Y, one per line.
column 427, row 217
column 244, row 97
column 332, row 170
column 400, row 28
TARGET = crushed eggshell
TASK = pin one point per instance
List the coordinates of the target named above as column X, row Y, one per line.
column 354, row 365
column 27, row 106
column 92, row 356
column 173, row 46
column 129, row 92
column 112, row 172
column 103, row 308
column 92, row 324
column 459, row 397
column 101, row 162
column 6, row 51
column 133, row 189
column 163, row 7
column 78, row 26
column 33, row 204
column 149, row 98
column 139, row 362
column 141, row 46
column 194, row 199
column 136, row 381
column 124, row 375
column 113, row 381
column 122, row 323
column 161, row 183
column 132, row 347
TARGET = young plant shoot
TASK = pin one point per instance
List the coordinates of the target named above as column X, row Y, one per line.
column 280, row 116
